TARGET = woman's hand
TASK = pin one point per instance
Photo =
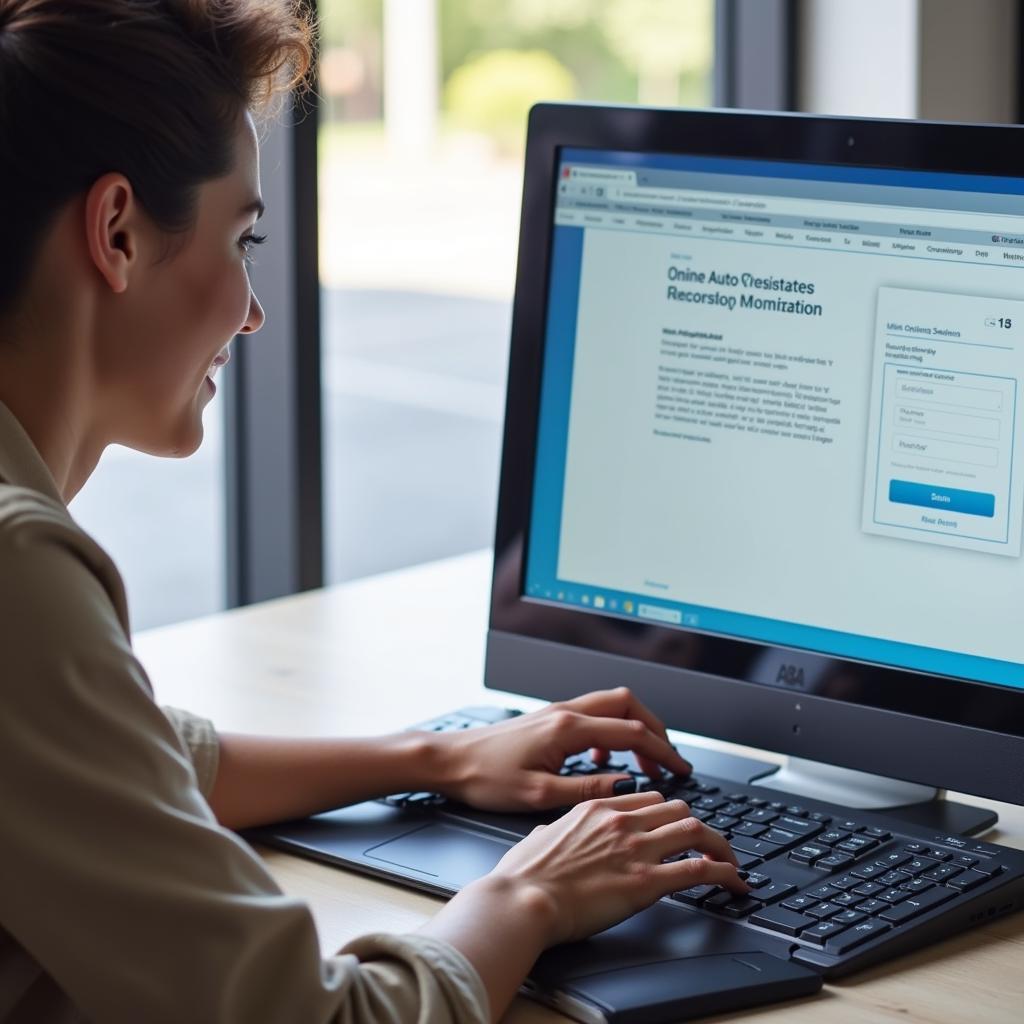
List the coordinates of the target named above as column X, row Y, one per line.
column 514, row 765
column 594, row 867
column 603, row 861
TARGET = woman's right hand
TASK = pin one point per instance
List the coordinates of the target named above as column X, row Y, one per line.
column 604, row 860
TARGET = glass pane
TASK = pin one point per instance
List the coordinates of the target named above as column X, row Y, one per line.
column 421, row 151
column 162, row 521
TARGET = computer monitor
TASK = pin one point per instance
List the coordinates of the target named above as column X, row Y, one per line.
column 764, row 446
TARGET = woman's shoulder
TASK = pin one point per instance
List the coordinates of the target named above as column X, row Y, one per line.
column 41, row 544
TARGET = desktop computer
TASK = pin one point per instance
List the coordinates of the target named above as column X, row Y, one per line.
column 764, row 463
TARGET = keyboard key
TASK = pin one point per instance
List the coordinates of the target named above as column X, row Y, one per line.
column 718, row 900
column 847, row 899
column 942, row 855
column 801, row 902
column 756, row 801
column 781, row 839
column 760, row 815
column 822, row 932
column 868, row 871
column 847, row 826
column 869, row 889
column 779, row 919
column 824, row 819
column 808, row 853
column 749, row 828
column 893, row 895
column 848, row 917
column 919, row 865
column 734, row 808
column 796, row 810
column 696, row 895
column 962, row 860
column 775, row 891
column 822, row 910
column 967, row 880
column 988, row 868
column 833, row 836
column 737, row 798
column 916, row 885
column 876, row 833
column 755, row 879
column 894, row 878
column 872, row 906
column 720, row 822
column 859, row 933
column 895, row 859
column 741, row 906
column 800, row 826
column 918, row 904
column 705, row 787
column 756, row 847
column 833, row 862
column 845, row 882
column 856, row 845
column 777, row 805
column 746, row 860
column 942, row 873
column 823, row 892
column 708, row 803
column 915, row 848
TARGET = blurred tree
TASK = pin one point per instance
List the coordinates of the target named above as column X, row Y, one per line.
column 664, row 40
column 493, row 93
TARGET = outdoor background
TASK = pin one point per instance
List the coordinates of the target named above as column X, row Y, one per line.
column 421, row 147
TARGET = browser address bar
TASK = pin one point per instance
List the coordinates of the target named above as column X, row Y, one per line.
column 824, row 209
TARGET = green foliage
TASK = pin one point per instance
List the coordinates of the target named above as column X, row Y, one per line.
column 493, row 93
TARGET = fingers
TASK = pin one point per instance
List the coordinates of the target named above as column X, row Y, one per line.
column 691, row 834
column 684, row 874
column 623, row 734
column 662, row 814
column 621, row 703
column 564, row 791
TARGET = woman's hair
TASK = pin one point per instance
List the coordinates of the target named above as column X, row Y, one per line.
column 153, row 89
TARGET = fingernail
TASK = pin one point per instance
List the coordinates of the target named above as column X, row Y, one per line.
column 624, row 786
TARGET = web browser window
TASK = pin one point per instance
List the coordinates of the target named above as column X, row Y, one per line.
column 780, row 402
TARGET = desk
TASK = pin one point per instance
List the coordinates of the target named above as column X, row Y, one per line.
column 376, row 655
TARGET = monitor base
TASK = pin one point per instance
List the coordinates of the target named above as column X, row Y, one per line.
column 922, row 805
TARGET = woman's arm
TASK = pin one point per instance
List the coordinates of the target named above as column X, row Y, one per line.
column 263, row 779
column 511, row 766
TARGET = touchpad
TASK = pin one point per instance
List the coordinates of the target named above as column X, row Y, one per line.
column 443, row 851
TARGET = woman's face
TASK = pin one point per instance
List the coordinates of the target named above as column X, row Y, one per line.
column 157, row 366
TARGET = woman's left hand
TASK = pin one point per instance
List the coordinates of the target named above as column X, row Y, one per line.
column 514, row 765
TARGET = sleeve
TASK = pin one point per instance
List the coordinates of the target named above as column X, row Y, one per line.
column 118, row 879
column 199, row 738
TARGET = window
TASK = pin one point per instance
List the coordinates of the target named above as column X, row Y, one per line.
column 421, row 149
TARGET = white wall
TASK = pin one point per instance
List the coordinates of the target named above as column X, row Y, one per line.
column 942, row 59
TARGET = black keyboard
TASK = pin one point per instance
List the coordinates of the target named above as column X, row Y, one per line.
column 843, row 888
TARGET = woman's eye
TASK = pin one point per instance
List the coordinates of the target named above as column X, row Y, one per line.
column 247, row 242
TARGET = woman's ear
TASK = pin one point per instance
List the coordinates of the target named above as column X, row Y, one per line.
column 112, row 229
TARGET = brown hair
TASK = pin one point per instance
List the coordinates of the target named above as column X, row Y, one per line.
column 152, row 89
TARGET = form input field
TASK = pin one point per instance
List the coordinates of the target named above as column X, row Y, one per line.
column 950, row 394
column 947, row 451
column 941, row 422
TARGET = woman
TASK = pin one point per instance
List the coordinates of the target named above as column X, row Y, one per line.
column 130, row 189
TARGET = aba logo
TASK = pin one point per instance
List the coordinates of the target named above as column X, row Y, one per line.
column 791, row 675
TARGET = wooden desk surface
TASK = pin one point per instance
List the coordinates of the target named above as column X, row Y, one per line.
column 376, row 655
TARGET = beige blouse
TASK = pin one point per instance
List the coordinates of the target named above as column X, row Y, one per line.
column 121, row 898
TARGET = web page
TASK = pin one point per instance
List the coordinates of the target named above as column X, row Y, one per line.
column 788, row 417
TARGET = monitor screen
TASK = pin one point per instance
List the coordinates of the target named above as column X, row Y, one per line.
column 779, row 403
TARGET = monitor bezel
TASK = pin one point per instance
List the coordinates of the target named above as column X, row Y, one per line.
column 972, row 737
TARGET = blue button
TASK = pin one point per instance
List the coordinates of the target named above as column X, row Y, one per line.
column 948, row 499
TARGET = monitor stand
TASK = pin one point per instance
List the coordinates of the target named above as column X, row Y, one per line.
column 920, row 805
